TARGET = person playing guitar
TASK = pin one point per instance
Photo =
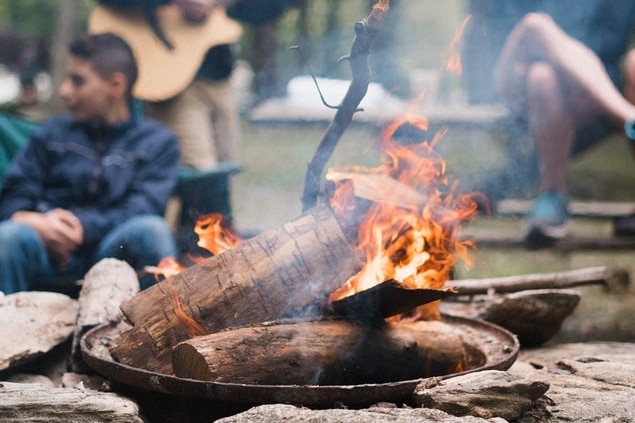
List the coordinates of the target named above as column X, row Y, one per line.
column 186, row 52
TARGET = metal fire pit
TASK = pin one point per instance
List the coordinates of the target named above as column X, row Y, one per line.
column 491, row 347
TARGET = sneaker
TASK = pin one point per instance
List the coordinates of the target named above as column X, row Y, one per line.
column 547, row 221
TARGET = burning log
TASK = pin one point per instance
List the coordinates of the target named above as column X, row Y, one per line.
column 327, row 352
column 261, row 279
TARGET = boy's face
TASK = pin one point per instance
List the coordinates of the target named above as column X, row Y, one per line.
column 85, row 93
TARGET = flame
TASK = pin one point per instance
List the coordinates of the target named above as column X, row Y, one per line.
column 416, row 244
column 453, row 63
column 214, row 235
column 168, row 266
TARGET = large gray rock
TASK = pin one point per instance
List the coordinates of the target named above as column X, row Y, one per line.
column 32, row 324
column 486, row 394
column 292, row 414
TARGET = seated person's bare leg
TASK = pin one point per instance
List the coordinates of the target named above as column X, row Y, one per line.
column 550, row 124
column 538, row 38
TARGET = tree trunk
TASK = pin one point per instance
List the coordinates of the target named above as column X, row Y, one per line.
column 329, row 352
column 265, row 278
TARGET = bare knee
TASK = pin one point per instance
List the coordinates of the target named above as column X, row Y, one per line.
column 541, row 74
column 543, row 89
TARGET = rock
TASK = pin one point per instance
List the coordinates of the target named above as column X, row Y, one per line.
column 292, row 414
column 23, row 402
column 535, row 316
column 30, row 378
column 589, row 382
column 486, row 394
column 35, row 322
column 107, row 284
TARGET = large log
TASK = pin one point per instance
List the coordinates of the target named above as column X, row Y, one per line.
column 327, row 352
column 265, row 278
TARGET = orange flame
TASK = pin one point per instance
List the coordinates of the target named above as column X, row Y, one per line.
column 453, row 63
column 168, row 266
column 416, row 244
column 213, row 236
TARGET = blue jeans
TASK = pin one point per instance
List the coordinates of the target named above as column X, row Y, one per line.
column 25, row 264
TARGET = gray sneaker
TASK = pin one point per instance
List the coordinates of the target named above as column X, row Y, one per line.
column 548, row 220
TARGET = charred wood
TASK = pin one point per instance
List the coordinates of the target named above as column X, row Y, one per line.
column 327, row 352
column 261, row 279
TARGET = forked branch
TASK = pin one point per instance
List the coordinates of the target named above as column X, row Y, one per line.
column 365, row 32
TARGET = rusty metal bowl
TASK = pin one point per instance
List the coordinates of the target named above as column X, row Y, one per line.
column 491, row 347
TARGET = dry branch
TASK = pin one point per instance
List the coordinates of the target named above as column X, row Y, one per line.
column 365, row 32
column 567, row 279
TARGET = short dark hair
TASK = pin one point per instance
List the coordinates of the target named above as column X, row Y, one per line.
column 108, row 53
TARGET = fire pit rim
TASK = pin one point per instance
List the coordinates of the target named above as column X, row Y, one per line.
column 294, row 394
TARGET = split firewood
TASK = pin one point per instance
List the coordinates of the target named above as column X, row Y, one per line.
column 380, row 188
column 327, row 352
column 554, row 280
column 384, row 300
column 262, row 279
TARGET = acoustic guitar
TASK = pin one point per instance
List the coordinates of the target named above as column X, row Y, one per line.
column 163, row 71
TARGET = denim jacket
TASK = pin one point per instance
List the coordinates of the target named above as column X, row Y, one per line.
column 103, row 175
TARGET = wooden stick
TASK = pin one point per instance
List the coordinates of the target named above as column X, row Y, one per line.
column 358, row 60
column 585, row 276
